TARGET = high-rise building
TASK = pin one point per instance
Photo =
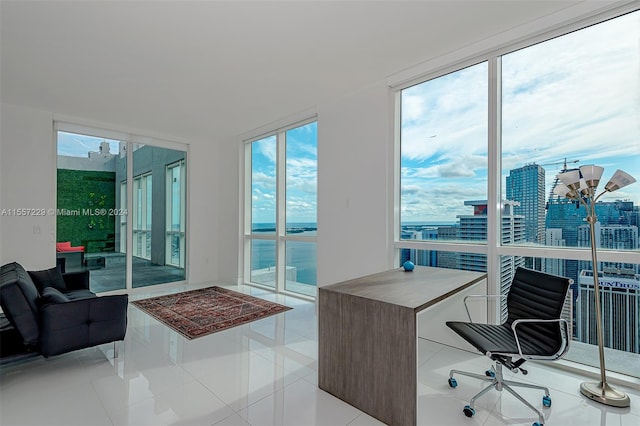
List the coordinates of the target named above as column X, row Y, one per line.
column 474, row 227
column 419, row 256
column 620, row 300
column 526, row 186
column 553, row 238
column 618, row 213
column 615, row 237
column 619, row 284
column 447, row 259
column 406, row 253
column 570, row 217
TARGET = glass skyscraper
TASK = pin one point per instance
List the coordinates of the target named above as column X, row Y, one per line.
column 474, row 227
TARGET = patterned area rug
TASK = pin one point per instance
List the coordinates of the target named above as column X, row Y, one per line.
column 196, row 313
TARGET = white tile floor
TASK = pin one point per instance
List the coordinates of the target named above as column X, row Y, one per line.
column 263, row 373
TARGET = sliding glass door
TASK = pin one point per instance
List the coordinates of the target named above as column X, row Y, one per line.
column 121, row 209
column 158, row 215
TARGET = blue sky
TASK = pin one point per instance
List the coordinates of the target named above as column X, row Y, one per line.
column 575, row 97
column 76, row 145
column 301, row 176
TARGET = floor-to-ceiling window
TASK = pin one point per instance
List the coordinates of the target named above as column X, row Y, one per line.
column 281, row 209
column 114, row 203
column 553, row 104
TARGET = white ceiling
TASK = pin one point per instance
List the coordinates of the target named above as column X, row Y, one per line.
column 211, row 69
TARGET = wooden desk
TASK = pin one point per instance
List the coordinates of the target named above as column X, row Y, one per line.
column 367, row 340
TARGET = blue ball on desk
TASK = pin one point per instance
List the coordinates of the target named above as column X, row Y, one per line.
column 408, row 266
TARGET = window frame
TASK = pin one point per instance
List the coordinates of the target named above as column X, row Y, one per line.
column 280, row 236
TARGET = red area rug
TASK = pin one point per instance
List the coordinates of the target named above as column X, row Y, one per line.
column 196, row 313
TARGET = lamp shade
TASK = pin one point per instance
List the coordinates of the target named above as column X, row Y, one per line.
column 591, row 174
column 619, row 180
column 584, row 188
column 561, row 191
column 570, row 178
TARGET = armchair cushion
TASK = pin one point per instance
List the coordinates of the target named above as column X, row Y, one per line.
column 52, row 295
column 48, row 278
column 83, row 323
column 79, row 294
column 19, row 300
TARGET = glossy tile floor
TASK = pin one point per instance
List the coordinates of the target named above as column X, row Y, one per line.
column 263, row 373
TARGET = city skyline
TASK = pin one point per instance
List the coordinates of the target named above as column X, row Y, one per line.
column 564, row 226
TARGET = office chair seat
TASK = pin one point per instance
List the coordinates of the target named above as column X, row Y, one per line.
column 500, row 339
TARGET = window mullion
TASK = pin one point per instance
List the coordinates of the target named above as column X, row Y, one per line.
column 281, row 231
column 131, row 224
column 493, row 178
column 247, row 209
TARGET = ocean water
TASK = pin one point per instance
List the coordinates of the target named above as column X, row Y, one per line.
column 301, row 255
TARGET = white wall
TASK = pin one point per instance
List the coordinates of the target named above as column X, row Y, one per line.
column 203, row 216
column 228, row 217
column 353, row 185
column 28, row 170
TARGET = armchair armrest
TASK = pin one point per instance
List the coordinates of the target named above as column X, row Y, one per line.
column 484, row 296
column 82, row 323
column 564, row 330
column 76, row 280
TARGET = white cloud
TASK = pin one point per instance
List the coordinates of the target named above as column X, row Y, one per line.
column 266, row 147
column 575, row 97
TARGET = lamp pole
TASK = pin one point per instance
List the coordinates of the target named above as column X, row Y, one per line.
column 581, row 185
column 599, row 391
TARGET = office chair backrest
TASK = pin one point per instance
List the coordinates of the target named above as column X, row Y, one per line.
column 538, row 295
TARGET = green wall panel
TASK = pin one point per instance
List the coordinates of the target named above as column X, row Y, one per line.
column 85, row 199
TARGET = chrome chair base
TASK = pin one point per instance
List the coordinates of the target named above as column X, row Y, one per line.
column 498, row 382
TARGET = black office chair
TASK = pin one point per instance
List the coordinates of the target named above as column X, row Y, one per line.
column 533, row 330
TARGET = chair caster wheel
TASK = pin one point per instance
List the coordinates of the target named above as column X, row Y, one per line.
column 546, row 401
column 453, row 383
column 537, row 424
column 490, row 373
column 468, row 411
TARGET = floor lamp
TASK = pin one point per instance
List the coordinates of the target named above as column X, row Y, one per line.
column 581, row 185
